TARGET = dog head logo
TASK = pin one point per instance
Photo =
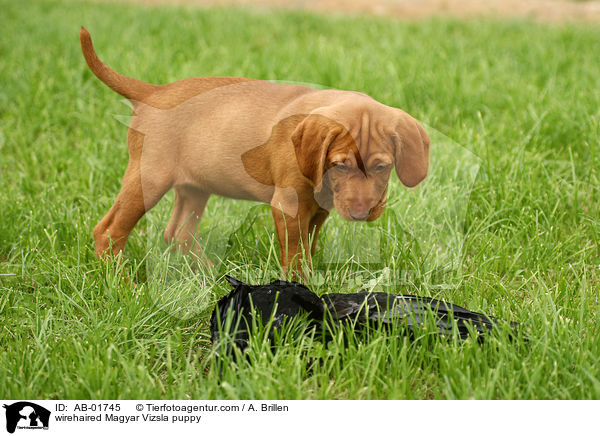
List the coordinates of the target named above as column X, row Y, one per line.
column 26, row 415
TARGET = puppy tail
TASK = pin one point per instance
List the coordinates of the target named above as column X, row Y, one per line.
column 133, row 89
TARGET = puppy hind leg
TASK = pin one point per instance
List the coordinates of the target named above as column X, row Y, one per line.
column 133, row 201
column 182, row 229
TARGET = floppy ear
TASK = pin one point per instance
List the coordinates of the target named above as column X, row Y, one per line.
column 311, row 140
column 412, row 151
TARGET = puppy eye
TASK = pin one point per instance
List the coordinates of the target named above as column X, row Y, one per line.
column 380, row 167
column 340, row 166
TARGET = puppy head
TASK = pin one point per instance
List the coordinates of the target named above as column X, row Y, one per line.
column 350, row 153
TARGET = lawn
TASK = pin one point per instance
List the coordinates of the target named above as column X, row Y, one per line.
column 508, row 223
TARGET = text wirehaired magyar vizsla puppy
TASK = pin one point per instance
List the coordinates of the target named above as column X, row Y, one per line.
column 301, row 150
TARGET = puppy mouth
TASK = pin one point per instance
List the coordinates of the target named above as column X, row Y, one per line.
column 359, row 215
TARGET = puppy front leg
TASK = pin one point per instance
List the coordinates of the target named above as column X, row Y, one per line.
column 293, row 236
column 314, row 228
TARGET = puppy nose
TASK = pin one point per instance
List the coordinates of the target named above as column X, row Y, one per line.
column 358, row 214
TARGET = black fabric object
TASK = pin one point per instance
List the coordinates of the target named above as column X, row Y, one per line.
column 408, row 310
column 289, row 299
column 279, row 300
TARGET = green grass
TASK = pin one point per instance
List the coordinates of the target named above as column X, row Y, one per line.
column 518, row 240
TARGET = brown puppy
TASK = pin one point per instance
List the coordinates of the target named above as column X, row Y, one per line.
column 301, row 150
